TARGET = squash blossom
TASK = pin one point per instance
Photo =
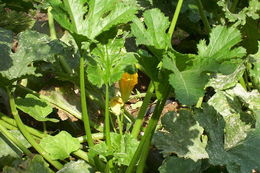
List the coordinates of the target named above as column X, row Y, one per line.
column 126, row 84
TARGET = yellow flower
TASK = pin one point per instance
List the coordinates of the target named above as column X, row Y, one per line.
column 115, row 104
column 126, row 84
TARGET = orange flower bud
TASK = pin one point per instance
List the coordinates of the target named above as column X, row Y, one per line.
column 126, row 84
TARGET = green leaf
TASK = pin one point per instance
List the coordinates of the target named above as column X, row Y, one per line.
column 35, row 107
column 91, row 17
column 223, row 82
column 188, row 85
column 174, row 164
column 123, row 149
column 32, row 47
column 60, row 146
column 240, row 18
column 153, row 31
column 79, row 166
column 238, row 159
column 182, row 135
column 255, row 71
column 37, row 164
column 219, row 49
column 108, row 62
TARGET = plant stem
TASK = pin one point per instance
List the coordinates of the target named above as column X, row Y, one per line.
column 175, row 18
column 11, row 124
column 203, row 16
column 148, row 131
column 27, row 135
column 243, row 83
column 107, row 121
column 51, row 24
column 119, row 124
column 141, row 165
column 14, row 140
column 139, row 121
column 95, row 136
column 199, row 103
column 85, row 116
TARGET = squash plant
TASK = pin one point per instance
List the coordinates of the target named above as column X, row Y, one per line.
column 211, row 130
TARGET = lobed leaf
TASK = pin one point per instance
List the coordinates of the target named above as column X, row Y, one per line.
column 181, row 135
column 153, row 31
column 79, row 166
column 108, row 62
column 91, row 17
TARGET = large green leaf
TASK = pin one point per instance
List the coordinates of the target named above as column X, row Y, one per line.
column 220, row 49
column 79, row 166
column 36, row 164
column 60, row 146
column 35, row 107
column 153, row 33
column 32, row 47
column 241, row 158
column 230, row 108
column 188, row 85
column 91, row 17
column 108, row 62
column 174, row 164
column 182, row 135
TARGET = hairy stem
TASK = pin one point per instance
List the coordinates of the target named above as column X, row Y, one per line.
column 139, row 121
column 51, row 24
column 203, row 16
column 175, row 18
column 28, row 136
column 85, row 115
column 107, row 117
column 148, row 132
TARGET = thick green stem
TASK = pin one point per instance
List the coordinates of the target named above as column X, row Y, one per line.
column 139, row 121
column 107, row 117
column 11, row 124
column 95, row 136
column 85, row 116
column 175, row 18
column 141, row 165
column 28, row 136
column 203, row 16
column 148, row 132
column 51, row 25
column 14, row 140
